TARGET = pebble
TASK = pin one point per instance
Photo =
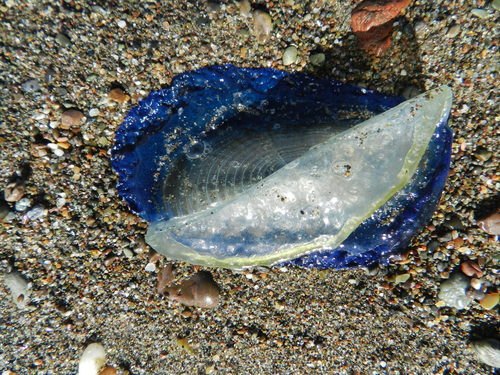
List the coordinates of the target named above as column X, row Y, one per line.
column 453, row 31
column 317, row 59
column 71, row 118
column 421, row 29
column 92, row 359
column 19, row 288
column 199, row 291
column 369, row 14
column 30, row 86
column 491, row 224
column 483, row 155
column 401, row 278
column 58, row 152
column 262, row 26
column 94, row 112
column 14, row 191
column 476, row 283
column 61, row 91
column 489, row 301
column 496, row 4
column 63, row 40
column 36, row 212
column 128, row 253
column 23, row 204
column 150, row 267
column 245, row 8
column 481, row 13
column 121, row 24
column 471, row 269
column 453, row 291
column 290, row 55
column 488, row 351
column 118, row 95
column 377, row 40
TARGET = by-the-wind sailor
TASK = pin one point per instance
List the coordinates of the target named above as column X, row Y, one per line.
column 238, row 167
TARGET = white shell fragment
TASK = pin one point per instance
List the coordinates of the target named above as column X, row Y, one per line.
column 322, row 196
column 92, row 359
column 488, row 351
column 19, row 288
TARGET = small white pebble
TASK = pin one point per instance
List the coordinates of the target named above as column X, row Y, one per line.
column 476, row 283
column 92, row 359
column 150, row 267
column 93, row 112
column 60, row 202
column 23, row 204
column 58, row 152
column 121, row 24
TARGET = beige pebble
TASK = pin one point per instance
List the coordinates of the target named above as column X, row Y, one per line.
column 453, row 31
column 118, row 95
column 14, row 191
column 262, row 26
column 71, row 118
column 244, row 7
column 199, row 291
column 491, row 224
column 290, row 55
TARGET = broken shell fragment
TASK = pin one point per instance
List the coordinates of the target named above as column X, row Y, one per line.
column 92, row 359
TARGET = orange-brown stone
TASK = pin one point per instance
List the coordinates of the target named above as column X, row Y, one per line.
column 373, row 13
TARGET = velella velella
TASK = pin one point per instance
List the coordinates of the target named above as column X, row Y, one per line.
column 235, row 167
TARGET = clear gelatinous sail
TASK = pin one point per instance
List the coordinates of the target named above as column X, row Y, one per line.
column 308, row 200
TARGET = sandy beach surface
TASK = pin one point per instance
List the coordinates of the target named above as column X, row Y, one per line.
column 78, row 253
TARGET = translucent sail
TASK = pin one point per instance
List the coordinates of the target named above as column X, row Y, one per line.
column 312, row 202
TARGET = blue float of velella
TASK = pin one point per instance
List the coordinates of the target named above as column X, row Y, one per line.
column 236, row 167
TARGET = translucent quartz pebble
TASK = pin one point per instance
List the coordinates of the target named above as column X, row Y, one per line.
column 313, row 202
